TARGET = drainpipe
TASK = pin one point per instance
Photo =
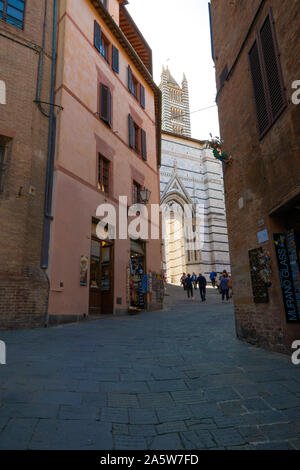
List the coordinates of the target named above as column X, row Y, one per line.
column 50, row 160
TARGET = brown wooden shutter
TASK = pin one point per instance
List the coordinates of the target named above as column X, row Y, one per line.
column 131, row 132
column 115, row 59
column 144, row 145
column 142, row 96
column 263, row 117
column 105, row 103
column 270, row 58
column 97, row 36
column 130, row 82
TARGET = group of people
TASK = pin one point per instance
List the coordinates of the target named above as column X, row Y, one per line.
column 190, row 282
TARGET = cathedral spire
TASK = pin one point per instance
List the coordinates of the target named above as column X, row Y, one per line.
column 175, row 104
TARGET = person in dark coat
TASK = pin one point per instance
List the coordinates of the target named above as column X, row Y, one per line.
column 202, row 286
column 189, row 286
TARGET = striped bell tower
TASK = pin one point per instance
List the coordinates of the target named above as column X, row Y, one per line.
column 175, row 104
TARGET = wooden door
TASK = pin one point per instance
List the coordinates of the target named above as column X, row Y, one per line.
column 101, row 277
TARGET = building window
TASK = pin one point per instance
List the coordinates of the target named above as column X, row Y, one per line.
column 137, row 132
column 100, row 42
column 12, row 11
column 177, row 114
column 105, row 104
column 269, row 93
column 103, row 174
column 104, row 48
column 137, row 138
column 142, row 96
column 136, row 188
column 136, row 89
column 176, row 95
column 178, row 130
column 115, row 59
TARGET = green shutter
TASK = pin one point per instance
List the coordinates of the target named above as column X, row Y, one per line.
column 131, row 132
column 115, row 59
column 97, row 36
column 142, row 96
column 130, row 83
column 144, row 145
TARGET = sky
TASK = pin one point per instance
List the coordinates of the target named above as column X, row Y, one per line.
column 179, row 35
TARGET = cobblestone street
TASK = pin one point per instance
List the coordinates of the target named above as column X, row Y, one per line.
column 175, row 379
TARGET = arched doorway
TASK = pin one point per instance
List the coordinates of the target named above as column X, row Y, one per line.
column 174, row 251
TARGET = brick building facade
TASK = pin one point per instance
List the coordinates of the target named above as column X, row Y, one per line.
column 256, row 54
column 25, row 76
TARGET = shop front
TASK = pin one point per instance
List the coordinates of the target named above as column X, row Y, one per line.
column 287, row 249
column 137, row 271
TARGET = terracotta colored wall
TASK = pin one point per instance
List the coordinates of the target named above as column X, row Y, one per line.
column 265, row 173
column 81, row 136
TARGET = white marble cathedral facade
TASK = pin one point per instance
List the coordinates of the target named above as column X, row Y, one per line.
column 190, row 175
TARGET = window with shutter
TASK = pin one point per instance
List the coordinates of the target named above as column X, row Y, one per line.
column 142, row 96
column 136, row 188
column 131, row 132
column 269, row 93
column 97, row 36
column 105, row 104
column 129, row 79
column 103, row 174
column 272, row 68
column 263, row 118
column 115, row 59
column 144, row 145
column 12, row 11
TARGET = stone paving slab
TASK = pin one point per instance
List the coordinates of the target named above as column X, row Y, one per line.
column 170, row 380
column 143, row 416
column 17, row 434
column 71, row 435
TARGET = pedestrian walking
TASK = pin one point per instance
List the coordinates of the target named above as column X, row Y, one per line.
column 189, row 286
column 212, row 277
column 182, row 281
column 194, row 280
column 202, row 286
column 224, row 287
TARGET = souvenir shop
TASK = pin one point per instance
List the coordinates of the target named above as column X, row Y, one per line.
column 138, row 277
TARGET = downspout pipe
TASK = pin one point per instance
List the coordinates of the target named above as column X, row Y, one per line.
column 50, row 159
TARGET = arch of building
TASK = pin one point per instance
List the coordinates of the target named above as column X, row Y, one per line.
column 174, row 206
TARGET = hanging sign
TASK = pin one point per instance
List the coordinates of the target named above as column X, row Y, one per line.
column 286, row 278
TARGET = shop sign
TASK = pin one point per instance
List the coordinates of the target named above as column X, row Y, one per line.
column 286, row 278
column 294, row 262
